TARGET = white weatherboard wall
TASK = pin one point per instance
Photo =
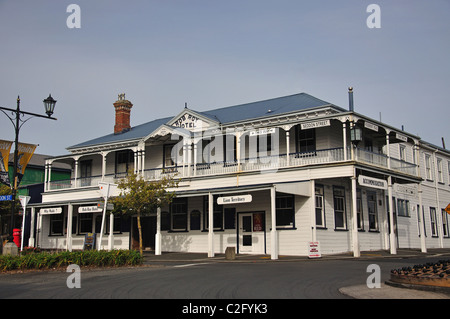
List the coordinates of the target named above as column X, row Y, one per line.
column 291, row 241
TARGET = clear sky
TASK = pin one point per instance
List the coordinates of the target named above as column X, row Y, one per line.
column 211, row 53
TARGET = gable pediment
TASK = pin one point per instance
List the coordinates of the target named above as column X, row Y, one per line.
column 192, row 121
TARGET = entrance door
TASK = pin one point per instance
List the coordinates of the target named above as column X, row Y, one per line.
column 245, row 233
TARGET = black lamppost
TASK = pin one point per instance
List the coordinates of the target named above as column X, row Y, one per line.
column 17, row 122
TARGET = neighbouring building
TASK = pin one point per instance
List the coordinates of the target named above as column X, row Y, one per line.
column 31, row 184
column 267, row 177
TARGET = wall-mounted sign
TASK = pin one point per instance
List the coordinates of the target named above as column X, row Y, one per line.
column 315, row 124
column 234, row 199
column 263, row 131
column 371, row 126
column 188, row 121
column 90, row 209
column 372, row 182
column 5, row 197
column 401, row 137
column 50, row 211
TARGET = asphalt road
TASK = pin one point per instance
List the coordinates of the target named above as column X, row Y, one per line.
column 312, row 279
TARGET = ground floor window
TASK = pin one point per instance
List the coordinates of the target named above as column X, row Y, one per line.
column 444, row 224
column 372, row 211
column 178, row 210
column 56, row 224
column 403, row 207
column 433, row 221
column 85, row 221
column 340, row 221
column 285, row 210
column 320, row 208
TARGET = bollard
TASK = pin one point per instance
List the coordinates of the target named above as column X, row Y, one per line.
column 230, row 253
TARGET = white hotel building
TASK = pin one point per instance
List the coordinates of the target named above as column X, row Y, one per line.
column 271, row 176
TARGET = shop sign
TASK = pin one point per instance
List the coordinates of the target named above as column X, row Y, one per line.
column 234, row 199
column 315, row 124
column 90, row 209
column 50, row 211
column 401, row 137
column 371, row 126
column 314, row 249
column 372, row 182
column 263, row 131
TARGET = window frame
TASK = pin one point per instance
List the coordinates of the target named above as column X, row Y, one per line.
column 445, row 229
column 440, row 172
column 433, row 222
column 338, row 197
column 428, row 167
column 178, row 210
column 56, row 224
column 282, row 210
column 403, row 209
column 306, row 141
column 372, row 215
column 83, row 220
column 402, row 152
column 319, row 195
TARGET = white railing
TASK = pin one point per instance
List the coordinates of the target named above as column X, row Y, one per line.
column 262, row 163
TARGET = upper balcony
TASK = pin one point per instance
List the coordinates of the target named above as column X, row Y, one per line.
column 271, row 163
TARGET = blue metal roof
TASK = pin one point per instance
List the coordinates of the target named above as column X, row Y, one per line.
column 275, row 106
column 134, row 133
column 230, row 114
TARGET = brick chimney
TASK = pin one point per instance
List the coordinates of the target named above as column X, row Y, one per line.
column 123, row 110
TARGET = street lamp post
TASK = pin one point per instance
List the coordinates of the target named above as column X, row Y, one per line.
column 17, row 122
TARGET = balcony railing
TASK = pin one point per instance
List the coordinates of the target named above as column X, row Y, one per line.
column 261, row 163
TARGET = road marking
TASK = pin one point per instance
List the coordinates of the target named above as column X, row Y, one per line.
column 189, row 265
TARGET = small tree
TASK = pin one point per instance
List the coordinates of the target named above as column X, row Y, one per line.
column 138, row 197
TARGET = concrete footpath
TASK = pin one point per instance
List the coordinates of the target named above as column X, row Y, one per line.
column 386, row 291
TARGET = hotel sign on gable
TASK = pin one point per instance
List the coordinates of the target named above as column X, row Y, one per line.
column 189, row 122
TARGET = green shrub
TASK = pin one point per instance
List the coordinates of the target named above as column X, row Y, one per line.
column 44, row 260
